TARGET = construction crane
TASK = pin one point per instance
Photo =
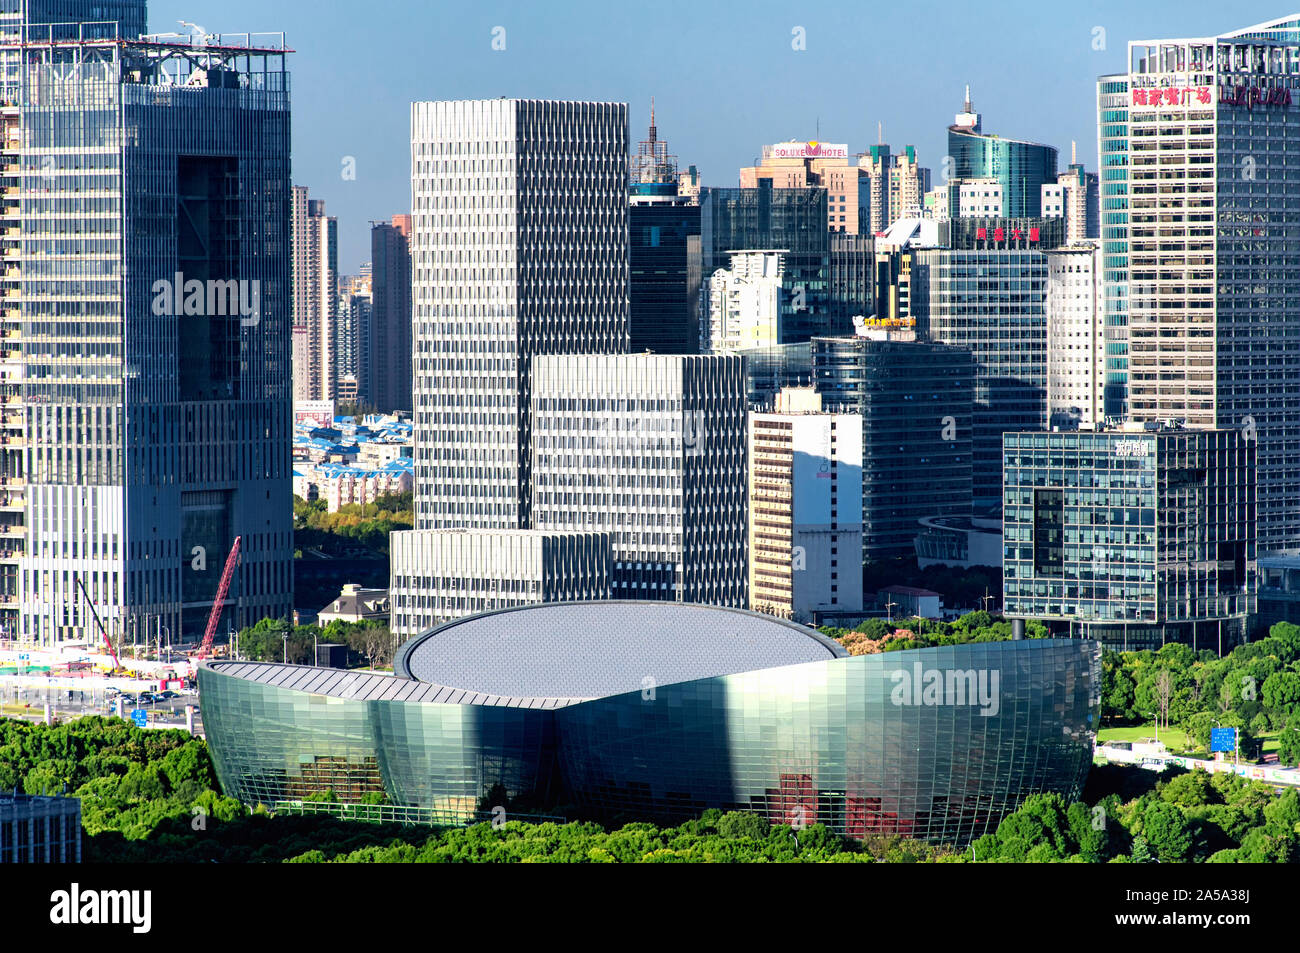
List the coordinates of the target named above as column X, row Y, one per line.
column 219, row 602
column 117, row 664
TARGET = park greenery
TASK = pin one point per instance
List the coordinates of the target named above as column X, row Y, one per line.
column 355, row 529
column 370, row 643
column 880, row 635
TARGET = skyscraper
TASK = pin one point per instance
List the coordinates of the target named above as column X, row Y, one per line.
column 316, row 351
column 519, row 248
column 147, row 352
column 387, row 367
column 1022, row 168
column 663, row 253
column 1200, row 147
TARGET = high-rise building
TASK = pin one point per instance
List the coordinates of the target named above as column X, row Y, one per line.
column 519, row 248
column 801, row 165
column 793, row 220
column 1134, row 537
column 749, row 303
column 1200, row 145
column 1022, row 168
column 316, row 344
column 895, row 186
column 805, row 509
column 1075, row 197
column 1076, row 344
column 914, row 399
column 146, row 372
column 355, row 344
column 987, row 293
column 387, row 371
column 663, row 253
column 650, row 449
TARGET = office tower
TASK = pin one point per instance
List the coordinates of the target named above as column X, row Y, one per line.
column 915, row 402
column 152, row 343
column 650, row 449
column 749, row 303
column 852, row 275
column 987, row 293
column 805, row 510
column 793, row 220
column 1201, row 135
column 449, row 574
column 875, row 164
column 801, row 165
column 1022, row 168
column 1135, row 537
column 519, row 249
column 315, row 238
column 663, row 253
column 1076, row 345
column 388, row 369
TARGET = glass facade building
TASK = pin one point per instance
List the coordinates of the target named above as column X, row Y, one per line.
column 915, row 401
column 993, row 302
column 793, row 220
column 145, row 371
column 1021, row 168
column 747, row 713
column 37, row 829
column 663, row 276
column 1134, row 537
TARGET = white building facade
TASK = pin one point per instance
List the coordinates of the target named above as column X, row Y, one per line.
column 1076, row 346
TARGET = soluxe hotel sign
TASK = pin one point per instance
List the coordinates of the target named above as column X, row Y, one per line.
column 1229, row 95
column 810, row 150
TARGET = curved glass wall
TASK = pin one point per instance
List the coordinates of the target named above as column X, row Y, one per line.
column 935, row 743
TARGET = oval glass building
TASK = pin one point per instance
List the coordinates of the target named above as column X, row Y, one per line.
column 658, row 711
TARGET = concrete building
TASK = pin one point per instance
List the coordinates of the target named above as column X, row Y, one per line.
column 317, row 342
column 749, row 303
column 1075, row 197
column 894, row 188
column 914, row 400
column 449, row 574
column 386, row 368
column 1132, row 537
column 146, row 372
column 1076, row 342
column 39, row 829
column 805, row 509
column 1200, row 145
column 651, row 450
column 801, row 165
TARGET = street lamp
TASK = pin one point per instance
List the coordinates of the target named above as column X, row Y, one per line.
column 286, row 650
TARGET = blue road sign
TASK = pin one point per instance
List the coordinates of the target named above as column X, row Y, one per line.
column 1223, row 739
column 140, row 717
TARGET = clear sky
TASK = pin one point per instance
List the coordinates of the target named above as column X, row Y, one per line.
column 725, row 76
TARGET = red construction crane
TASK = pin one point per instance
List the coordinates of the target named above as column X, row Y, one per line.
column 117, row 665
column 219, row 602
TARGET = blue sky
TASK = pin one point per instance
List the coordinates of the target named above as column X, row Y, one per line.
column 725, row 77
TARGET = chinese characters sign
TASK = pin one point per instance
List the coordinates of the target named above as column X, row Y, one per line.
column 1248, row 96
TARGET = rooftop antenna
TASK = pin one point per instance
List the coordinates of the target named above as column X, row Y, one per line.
column 1074, row 153
column 967, row 109
column 880, row 133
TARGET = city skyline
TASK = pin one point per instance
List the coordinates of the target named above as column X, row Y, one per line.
column 1025, row 85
